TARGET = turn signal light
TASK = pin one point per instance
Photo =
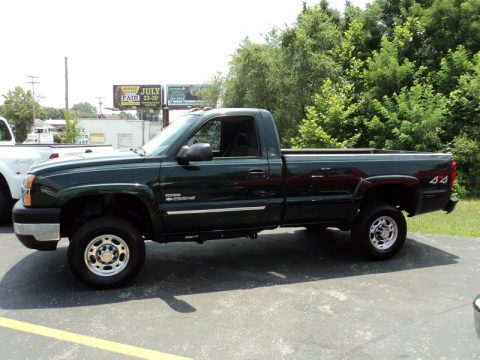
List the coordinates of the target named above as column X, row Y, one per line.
column 27, row 186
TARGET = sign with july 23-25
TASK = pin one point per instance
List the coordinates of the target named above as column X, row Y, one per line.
column 138, row 97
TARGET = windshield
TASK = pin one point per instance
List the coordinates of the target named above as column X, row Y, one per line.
column 159, row 144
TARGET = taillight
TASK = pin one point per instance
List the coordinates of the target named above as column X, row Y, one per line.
column 453, row 174
column 54, row 156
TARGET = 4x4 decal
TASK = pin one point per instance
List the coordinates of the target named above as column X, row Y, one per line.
column 439, row 180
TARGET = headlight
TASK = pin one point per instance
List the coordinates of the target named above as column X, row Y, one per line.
column 27, row 187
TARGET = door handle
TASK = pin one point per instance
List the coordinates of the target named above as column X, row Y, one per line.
column 257, row 173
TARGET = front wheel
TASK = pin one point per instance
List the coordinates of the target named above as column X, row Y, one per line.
column 6, row 203
column 106, row 252
column 380, row 231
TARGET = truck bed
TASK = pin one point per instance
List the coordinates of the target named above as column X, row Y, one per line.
column 326, row 183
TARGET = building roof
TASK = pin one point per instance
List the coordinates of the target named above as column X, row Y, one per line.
column 56, row 122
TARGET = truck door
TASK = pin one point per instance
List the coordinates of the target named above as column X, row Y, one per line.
column 229, row 192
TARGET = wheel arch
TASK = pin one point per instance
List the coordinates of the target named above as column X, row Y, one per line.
column 130, row 206
column 401, row 191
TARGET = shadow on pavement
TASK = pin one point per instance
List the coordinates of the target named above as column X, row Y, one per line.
column 43, row 280
column 6, row 229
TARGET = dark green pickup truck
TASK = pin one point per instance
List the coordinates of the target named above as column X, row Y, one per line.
column 221, row 174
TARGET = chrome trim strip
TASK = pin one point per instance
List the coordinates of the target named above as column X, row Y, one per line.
column 207, row 211
column 41, row 232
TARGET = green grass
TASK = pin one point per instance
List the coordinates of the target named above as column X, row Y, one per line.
column 463, row 221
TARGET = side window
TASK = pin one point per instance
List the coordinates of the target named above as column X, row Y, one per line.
column 229, row 136
column 4, row 133
column 210, row 133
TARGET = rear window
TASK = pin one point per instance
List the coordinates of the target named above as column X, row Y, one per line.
column 4, row 132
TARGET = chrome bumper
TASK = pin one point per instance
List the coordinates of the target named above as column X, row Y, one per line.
column 40, row 232
column 37, row 228
column 42, row 237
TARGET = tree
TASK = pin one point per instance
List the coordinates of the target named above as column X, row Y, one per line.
column 18, row 110
column 126, row 116
column 448, row 24
column 84, row 110
column 328, row 122
column 252, row 77
column 212, row 93
column 463, row 127
column 72, row 129
column 387, row 73
column 46, row 113
column 466, row 151
column 464, row 103
column 284, row 73
column 456, row 64
column 410, row 120
column 307, row 55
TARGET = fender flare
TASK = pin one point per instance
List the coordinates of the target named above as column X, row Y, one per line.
column 142, row 192
column 374, row 181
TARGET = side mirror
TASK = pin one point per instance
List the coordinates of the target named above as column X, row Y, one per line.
column 196, row 152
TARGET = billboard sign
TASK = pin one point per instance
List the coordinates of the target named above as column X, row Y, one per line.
column 185, row 96
column 137, row 97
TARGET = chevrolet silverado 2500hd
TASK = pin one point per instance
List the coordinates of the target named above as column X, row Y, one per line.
column 221, row 174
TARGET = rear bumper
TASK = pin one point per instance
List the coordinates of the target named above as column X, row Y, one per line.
column 437, row 199
column 36, row 228
column 450, row 206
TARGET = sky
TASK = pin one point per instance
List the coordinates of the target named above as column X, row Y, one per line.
column 128, row 42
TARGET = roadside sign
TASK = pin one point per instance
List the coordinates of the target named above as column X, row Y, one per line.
column 185, row 96
column 137, row 97
column 97, row 138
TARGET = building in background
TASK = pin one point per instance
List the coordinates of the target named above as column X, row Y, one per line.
column 120, row 133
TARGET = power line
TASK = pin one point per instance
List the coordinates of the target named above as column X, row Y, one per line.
column 33, row 82
column 100, row 103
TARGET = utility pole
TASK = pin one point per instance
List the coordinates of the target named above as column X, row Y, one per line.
column 66, row 83
column 100, row 103
column 33, row 82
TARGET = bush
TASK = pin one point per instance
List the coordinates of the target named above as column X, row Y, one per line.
column 467, row 155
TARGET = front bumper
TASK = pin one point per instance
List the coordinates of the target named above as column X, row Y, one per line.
column 36, row 228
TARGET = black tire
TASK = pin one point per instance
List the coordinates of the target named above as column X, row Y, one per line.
column 380, row 231
column 316, row 228
column 6, row 204
column 115, row 248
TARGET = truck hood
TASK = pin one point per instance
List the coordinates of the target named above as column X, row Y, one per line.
column 86, row 160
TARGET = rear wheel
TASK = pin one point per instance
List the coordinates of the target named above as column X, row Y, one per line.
column 380, row 231
column 106, row 252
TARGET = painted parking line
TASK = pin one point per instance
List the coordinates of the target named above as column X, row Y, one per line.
column 107, row 345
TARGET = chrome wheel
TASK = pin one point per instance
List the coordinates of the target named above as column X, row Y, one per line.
column 106, row 255
column 383, row 233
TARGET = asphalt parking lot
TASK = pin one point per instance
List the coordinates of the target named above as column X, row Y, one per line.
column 289, row 294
